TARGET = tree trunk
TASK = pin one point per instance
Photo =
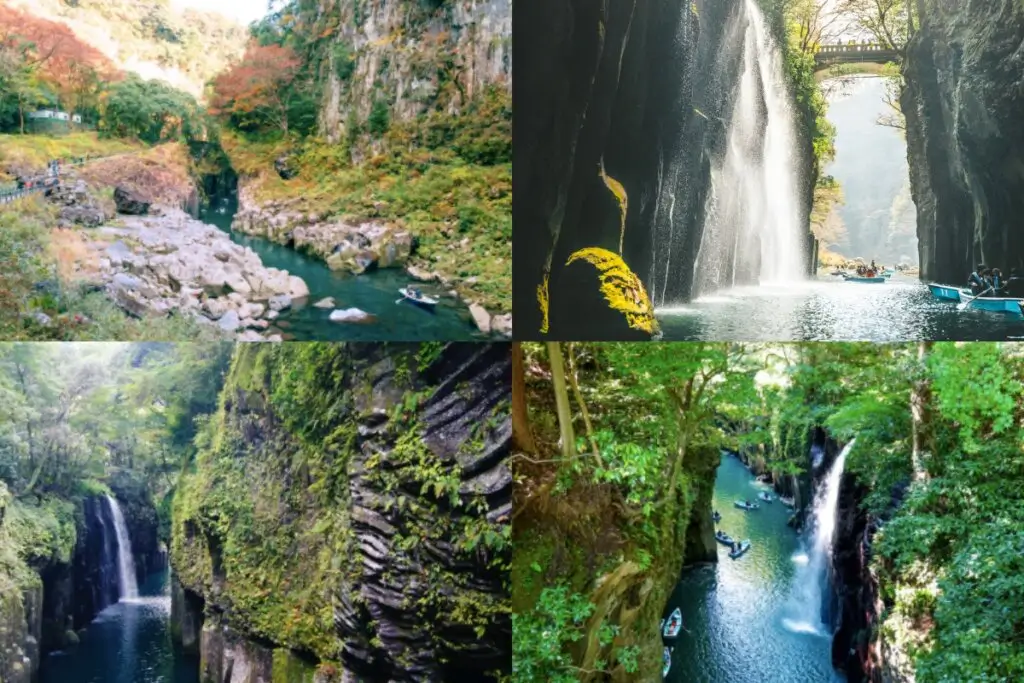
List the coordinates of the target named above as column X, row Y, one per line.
column 561, row 400
column 522, row 436
column 583, row 406
column 920, row 411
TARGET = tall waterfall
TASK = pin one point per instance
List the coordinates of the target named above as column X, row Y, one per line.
column 808, row 597
column 752, row 228
column 125, row 561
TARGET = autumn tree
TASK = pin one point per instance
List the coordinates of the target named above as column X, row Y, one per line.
column 262, row 90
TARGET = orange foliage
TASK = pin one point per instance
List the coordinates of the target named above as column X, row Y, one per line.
column 257, row 85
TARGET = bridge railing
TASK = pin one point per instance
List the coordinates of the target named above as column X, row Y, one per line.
column 853, row 47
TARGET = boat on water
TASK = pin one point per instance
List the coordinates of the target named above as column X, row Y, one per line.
column 865, row 280
column 666, row 658
column 945, row 292
column 415, row 296
column 672, row 625
column 995, row 304
column 736, row 552
column 888, row 273
column 765, row 496
column 716, row 516
column 743, row 505
column 723, row 537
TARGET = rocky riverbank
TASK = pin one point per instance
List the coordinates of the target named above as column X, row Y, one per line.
column 355, row 247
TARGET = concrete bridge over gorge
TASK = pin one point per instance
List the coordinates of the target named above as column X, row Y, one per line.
column 854, row 53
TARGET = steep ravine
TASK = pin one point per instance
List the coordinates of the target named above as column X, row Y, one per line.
column 368, row 545
column 53, row 596
column 643, row 90
column 963, row 105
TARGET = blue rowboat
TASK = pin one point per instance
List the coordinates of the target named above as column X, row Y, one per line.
column 666, row 658
column 998, row 305
column 744, row 547
column 867, row 280
column 945, row 292
column 673, row 625
column 723, row 538
column 743, row 505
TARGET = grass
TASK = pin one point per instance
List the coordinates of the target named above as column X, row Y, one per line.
column 30, row 153
column 448, row 180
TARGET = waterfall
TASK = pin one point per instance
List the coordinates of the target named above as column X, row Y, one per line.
column 808, row 599
column 753, row 226
column 125, row 561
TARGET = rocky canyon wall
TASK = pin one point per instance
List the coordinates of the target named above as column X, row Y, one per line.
column 963, row 103
column 348, row 515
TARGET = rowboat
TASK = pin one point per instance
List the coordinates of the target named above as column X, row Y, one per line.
column 766, row 497
column 717, row 517
column 417, row 297
column 746, row 506
column 866, row 280
column 945, row 292
column 744, row 547
column 723, row 538
column 997, row 304
column 666, row 657
column 673, row 625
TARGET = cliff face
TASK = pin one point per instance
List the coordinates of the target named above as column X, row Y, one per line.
column 414, row 56
column 348, row 518
column 963, row 104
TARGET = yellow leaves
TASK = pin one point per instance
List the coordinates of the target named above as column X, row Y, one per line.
column 620, row 196
column 621, row 287
column 542, row 301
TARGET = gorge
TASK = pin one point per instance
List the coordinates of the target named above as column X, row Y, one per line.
column 207, row 527
column 872, row 469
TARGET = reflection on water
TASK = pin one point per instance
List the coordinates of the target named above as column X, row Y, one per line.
column 128, row 642
column 829, row 310
column 734, row 611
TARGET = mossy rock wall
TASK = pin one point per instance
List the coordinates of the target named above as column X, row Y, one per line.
column 349, row 505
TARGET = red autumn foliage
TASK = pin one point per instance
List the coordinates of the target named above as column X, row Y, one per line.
column 258, row 87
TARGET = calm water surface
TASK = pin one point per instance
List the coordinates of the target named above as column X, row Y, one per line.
column 828, row 309
column 129, row 642
column 740, row 625
column 374, row 293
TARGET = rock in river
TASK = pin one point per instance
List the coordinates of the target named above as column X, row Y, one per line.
column 130, row 202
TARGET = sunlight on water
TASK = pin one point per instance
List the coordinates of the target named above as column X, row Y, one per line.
column 801, row 627
column 800, row 558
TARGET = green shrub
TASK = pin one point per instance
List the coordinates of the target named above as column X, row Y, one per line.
column 380, row 118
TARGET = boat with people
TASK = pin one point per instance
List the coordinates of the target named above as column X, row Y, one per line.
column 414, row 295
column 716, row 516
column 996, row 304
column 743, row 547
column 672, row 625
column 765, row 496
column 746, row 505
column 724, row 538
column 865, row 280
column 945, row 292
column 666, row 658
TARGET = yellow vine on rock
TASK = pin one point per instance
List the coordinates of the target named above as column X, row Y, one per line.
column 620, row 196
column 542, row 299
column 621, row 288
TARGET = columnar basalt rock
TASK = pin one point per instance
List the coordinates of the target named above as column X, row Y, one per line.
column 963, row 105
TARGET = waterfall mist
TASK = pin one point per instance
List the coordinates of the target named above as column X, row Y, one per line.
column 808, row 600
column 125, row 560
column 752, row 224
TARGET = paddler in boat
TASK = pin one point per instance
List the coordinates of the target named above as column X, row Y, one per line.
column 975, row 280
column 1015, row 285
column 997, row 282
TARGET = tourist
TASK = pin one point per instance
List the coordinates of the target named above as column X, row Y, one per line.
column 1014, row 285
column 975, row 281
column 997, row 282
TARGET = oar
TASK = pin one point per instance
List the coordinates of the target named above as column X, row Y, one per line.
column 962, row 306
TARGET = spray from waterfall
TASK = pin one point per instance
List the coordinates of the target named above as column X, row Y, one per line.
column 810, row 584
column 125, row 561
column 752, row 229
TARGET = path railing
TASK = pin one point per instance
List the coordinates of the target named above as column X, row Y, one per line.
column 855, row 52
column 50, row 179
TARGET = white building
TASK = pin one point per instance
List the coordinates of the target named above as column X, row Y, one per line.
column 51, row 114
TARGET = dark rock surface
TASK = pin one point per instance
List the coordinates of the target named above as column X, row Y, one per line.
column 282, row 165
column 964, row 102
column 700, row 533
column 645, row 86
column 186, row 617
column 76, row 204
column 130, row 202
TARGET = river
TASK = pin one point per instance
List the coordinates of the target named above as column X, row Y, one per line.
column 827, row 309
column 736, row 611
column 375, row 293
column 128, row 642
